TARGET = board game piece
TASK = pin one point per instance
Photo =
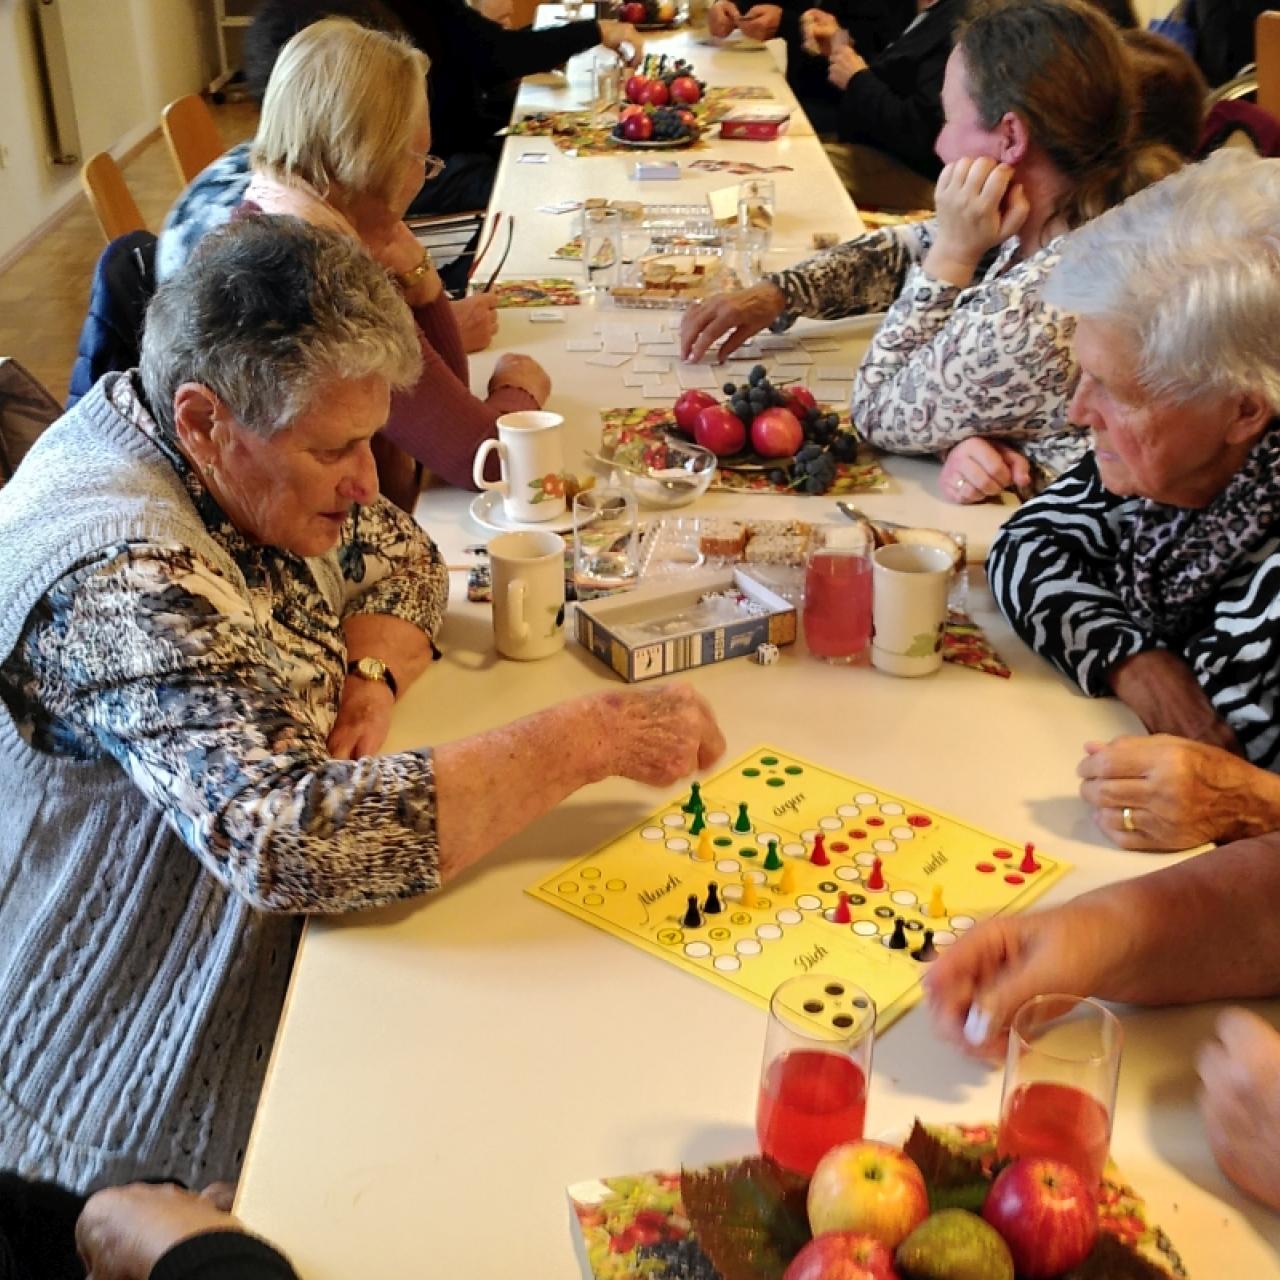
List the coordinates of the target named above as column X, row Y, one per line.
column 1028, row 863
column 898, row 942
column 842, row 913
column 694, row 803
column 767, row 654
column 937, row 908
column 772, row 862
column 819, row 856
column 698, row 825
column 635, row 885
column 742, row 822
column 875, row 881
column 705, row 852
column 926, row 951
column 713, row 905
column 692, row 916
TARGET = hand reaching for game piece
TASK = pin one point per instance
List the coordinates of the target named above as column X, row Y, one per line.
column 740, row 315
column 662, row 735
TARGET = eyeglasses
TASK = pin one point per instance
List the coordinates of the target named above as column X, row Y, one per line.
column 432, row 165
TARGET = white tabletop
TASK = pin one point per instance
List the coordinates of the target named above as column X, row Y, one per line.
column 445, row 1068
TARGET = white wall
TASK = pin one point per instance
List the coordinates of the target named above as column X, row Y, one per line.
column 127, row 59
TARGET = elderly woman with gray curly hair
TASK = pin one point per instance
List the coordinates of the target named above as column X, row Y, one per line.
column 201, row 640
column 1151, row 570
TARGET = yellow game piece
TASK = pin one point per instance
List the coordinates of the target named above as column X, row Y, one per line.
column 787, row 885
column 936, row 907
column 750, row 898
column 705, row 851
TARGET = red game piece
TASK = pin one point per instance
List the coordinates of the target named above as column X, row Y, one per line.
column 1011, row 878
column 876, row 879
column 1029, row 863
column 819, row 855
column 842, row 915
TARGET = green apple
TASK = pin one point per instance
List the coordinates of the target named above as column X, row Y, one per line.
column 869, row 1187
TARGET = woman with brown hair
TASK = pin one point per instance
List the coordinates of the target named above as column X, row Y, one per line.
column 970, row 362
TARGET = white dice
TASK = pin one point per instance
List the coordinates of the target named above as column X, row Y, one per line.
column 766, row 654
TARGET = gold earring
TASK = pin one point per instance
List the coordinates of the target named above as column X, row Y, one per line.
column 210, row 471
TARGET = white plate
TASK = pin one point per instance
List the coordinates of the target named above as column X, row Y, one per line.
column 487, row 511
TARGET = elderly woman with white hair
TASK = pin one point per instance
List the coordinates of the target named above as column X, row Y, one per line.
column 206, row 616
column 1151, row 571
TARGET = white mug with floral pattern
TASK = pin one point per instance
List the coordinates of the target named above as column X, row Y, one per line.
column 530, row 447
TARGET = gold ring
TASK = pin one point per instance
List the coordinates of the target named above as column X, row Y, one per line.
column 1126, row 819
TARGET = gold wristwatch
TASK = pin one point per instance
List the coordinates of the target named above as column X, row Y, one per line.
column 411, row 279
column 373, row 669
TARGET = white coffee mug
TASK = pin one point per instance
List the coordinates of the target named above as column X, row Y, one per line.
column 527, row 571
column 530, row 446
column 909, row 608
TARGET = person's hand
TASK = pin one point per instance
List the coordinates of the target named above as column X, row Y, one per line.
column 659, row 736
column 623, row 39
column 363, row 720
column 499, row 11
column 1162, row 690
column 1179, row 793
column 979, row 468
column 761, row 21
column 740, row 314
column 978, row 207
column 522, row 372
column 124, row 1231
column 818, row 30
column 844, row 63
column 476, row 316
column 1240, row 1102
column 722, row 18
column 391, row 243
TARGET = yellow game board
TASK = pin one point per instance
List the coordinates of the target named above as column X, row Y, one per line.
column 638, row 886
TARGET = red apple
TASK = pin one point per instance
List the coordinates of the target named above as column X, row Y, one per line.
column 631, row 109
column 869, row 1187
column 685, row 89
column 690, row 404
column 800, row 400
column 720, row 430
column 633, row 12
column 842, row 1255
column 687, row 118
column 1046, row 1214
column 656, row 93
column 635, row 87
column 638, row 128
column 776, row 433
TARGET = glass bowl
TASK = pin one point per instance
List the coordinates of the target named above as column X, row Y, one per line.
column 675, row 474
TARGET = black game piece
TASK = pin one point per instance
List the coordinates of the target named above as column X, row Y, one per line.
column 712, row 906
column 899, row 940
column 926, row 951
column 693, row 917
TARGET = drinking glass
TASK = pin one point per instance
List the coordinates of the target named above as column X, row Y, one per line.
column 606, row 544
column 1060, row 1083
column 816, row 1068
column 606, row 87
column 837, row 600
column 756, row 207
column 601, row 248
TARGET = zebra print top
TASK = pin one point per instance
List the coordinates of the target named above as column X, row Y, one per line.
column 1054, row 571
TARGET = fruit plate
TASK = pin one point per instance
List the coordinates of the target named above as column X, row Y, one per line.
column 655, row 144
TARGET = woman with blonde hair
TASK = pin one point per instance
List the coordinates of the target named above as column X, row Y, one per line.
column 344, row 143
column 970, row 361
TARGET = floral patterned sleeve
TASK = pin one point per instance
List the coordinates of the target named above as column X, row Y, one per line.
column 855, row 278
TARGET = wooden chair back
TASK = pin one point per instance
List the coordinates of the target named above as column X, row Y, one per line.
column 1268, row 55
column 109, row 196
column 191, row 134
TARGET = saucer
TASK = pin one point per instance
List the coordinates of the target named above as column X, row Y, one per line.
column 487, row 511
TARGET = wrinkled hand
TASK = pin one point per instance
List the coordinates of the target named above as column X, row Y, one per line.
column 740, row 314
column 978, row 207
column 477, row 319
column 1006, row 960
column 1240, row 1102
column 1179, row 793
column 979, row 468
column 515, row 370
column 124, row 1231
column 818, row 30
column 844, row 63
column 363, row 720
column 722, row 18
column 661, row 735
column 1162, row 690
column 623, row 39
column 761, row 21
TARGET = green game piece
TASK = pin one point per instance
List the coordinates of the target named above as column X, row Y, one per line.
column 775, row 782
column 772, row 861
column 696, row 826
column 743, row 823
column 768, row 759
column 794, row 770
column 694, row 803
column 751, row 773
column 747, row 852
column 723, row 841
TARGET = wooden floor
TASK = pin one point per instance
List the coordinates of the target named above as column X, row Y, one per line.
column 43, row 295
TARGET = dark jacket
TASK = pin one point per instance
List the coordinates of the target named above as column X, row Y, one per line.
column 1225, row 31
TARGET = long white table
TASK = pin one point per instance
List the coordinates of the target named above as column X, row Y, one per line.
column 445, row 1068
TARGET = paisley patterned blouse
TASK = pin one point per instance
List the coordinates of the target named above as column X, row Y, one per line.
column 229, row 737
column 948, row 363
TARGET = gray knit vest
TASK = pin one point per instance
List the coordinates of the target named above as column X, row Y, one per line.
column 138, row 996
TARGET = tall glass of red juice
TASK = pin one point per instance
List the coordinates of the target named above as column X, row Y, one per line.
column 817, row 1064
column 837, row 603
column 1060, row 1083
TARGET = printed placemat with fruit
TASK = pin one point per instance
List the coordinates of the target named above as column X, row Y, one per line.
column 552, row 291
column 917, row 1212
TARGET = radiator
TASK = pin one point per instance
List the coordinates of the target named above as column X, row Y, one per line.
column 55, row 84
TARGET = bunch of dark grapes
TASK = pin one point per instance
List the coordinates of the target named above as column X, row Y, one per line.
column 754, row 395
column 683, row 1259
column 667, row 125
